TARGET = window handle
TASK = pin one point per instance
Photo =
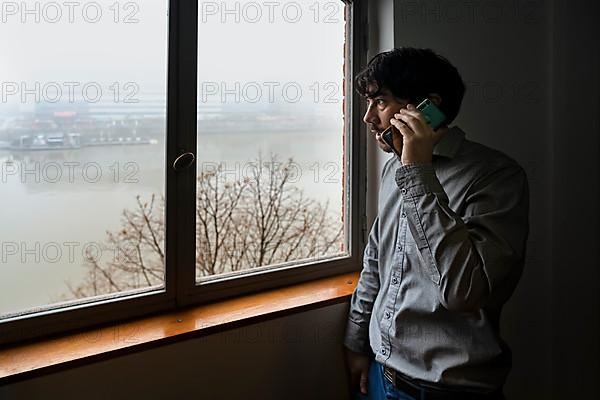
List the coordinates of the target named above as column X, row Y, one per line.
column 184, row 161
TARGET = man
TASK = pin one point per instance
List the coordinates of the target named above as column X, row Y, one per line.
column 446, row 249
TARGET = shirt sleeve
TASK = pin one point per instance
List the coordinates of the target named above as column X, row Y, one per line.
column 361, row 304
column 475, row 258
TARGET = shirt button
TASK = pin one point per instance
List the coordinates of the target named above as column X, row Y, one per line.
column 403, row 190
column 383, row 351
column 394, row 281
column 403, row 215
column 387, row 314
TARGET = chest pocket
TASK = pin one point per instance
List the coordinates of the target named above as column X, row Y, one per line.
column 410, row 246
column 422, row 257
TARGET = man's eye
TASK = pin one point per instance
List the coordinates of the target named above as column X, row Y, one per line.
column 378, row 102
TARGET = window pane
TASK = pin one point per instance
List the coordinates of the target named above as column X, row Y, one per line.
column 270, row 134
column 82, row 129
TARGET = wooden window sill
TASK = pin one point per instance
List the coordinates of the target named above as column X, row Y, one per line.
column 24, row 361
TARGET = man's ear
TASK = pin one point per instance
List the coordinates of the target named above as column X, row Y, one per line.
column 435, row 98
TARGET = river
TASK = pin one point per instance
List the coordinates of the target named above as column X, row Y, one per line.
column 47, row 219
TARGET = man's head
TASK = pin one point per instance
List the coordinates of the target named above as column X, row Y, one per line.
column 393, row 79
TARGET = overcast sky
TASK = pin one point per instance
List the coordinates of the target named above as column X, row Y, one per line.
column 107, row 51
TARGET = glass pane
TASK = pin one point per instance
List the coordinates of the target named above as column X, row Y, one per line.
column 270, row 187
column 82, row 129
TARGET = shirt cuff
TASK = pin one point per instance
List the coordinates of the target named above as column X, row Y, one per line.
column 357, row 338
column 418, row 179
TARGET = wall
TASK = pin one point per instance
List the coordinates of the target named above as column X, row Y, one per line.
column 294, row 357
column 574, row 306
column 532, row 74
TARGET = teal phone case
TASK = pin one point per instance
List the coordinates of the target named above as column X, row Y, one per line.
column 433, row 115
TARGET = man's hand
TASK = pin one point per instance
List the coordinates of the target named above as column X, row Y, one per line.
column 416, row 137
column 358, row 365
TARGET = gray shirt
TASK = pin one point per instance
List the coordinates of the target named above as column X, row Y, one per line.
column 444, row 254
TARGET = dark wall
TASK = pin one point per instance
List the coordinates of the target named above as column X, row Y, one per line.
column 532, row 74
column 574, row 243
column 293, row 357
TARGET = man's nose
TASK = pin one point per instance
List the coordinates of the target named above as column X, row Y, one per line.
column 370, row 116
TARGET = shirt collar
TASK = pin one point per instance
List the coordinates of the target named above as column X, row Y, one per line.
column 450, row 143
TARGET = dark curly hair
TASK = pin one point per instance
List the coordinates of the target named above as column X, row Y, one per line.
column 411, row 74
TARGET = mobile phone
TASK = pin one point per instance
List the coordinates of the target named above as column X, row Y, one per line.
column 433, row 115
column 387, row 137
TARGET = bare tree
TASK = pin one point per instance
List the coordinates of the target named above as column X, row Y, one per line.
column 257, row 220
column 131, row 258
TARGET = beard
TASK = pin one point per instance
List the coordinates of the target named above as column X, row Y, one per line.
column 376, row 133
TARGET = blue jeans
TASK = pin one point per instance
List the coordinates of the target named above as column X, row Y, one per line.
column 380, row 388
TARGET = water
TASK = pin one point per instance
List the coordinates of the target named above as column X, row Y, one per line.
column 63, row 215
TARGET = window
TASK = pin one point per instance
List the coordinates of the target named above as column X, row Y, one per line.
column 130, row 190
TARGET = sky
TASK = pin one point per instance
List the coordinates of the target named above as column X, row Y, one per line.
column 106, row 42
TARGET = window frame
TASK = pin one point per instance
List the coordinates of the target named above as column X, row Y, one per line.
column 181, row 124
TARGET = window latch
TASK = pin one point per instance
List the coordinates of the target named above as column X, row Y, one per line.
column 184, row 161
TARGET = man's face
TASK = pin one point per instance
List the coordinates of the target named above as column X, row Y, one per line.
column 380, row 110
